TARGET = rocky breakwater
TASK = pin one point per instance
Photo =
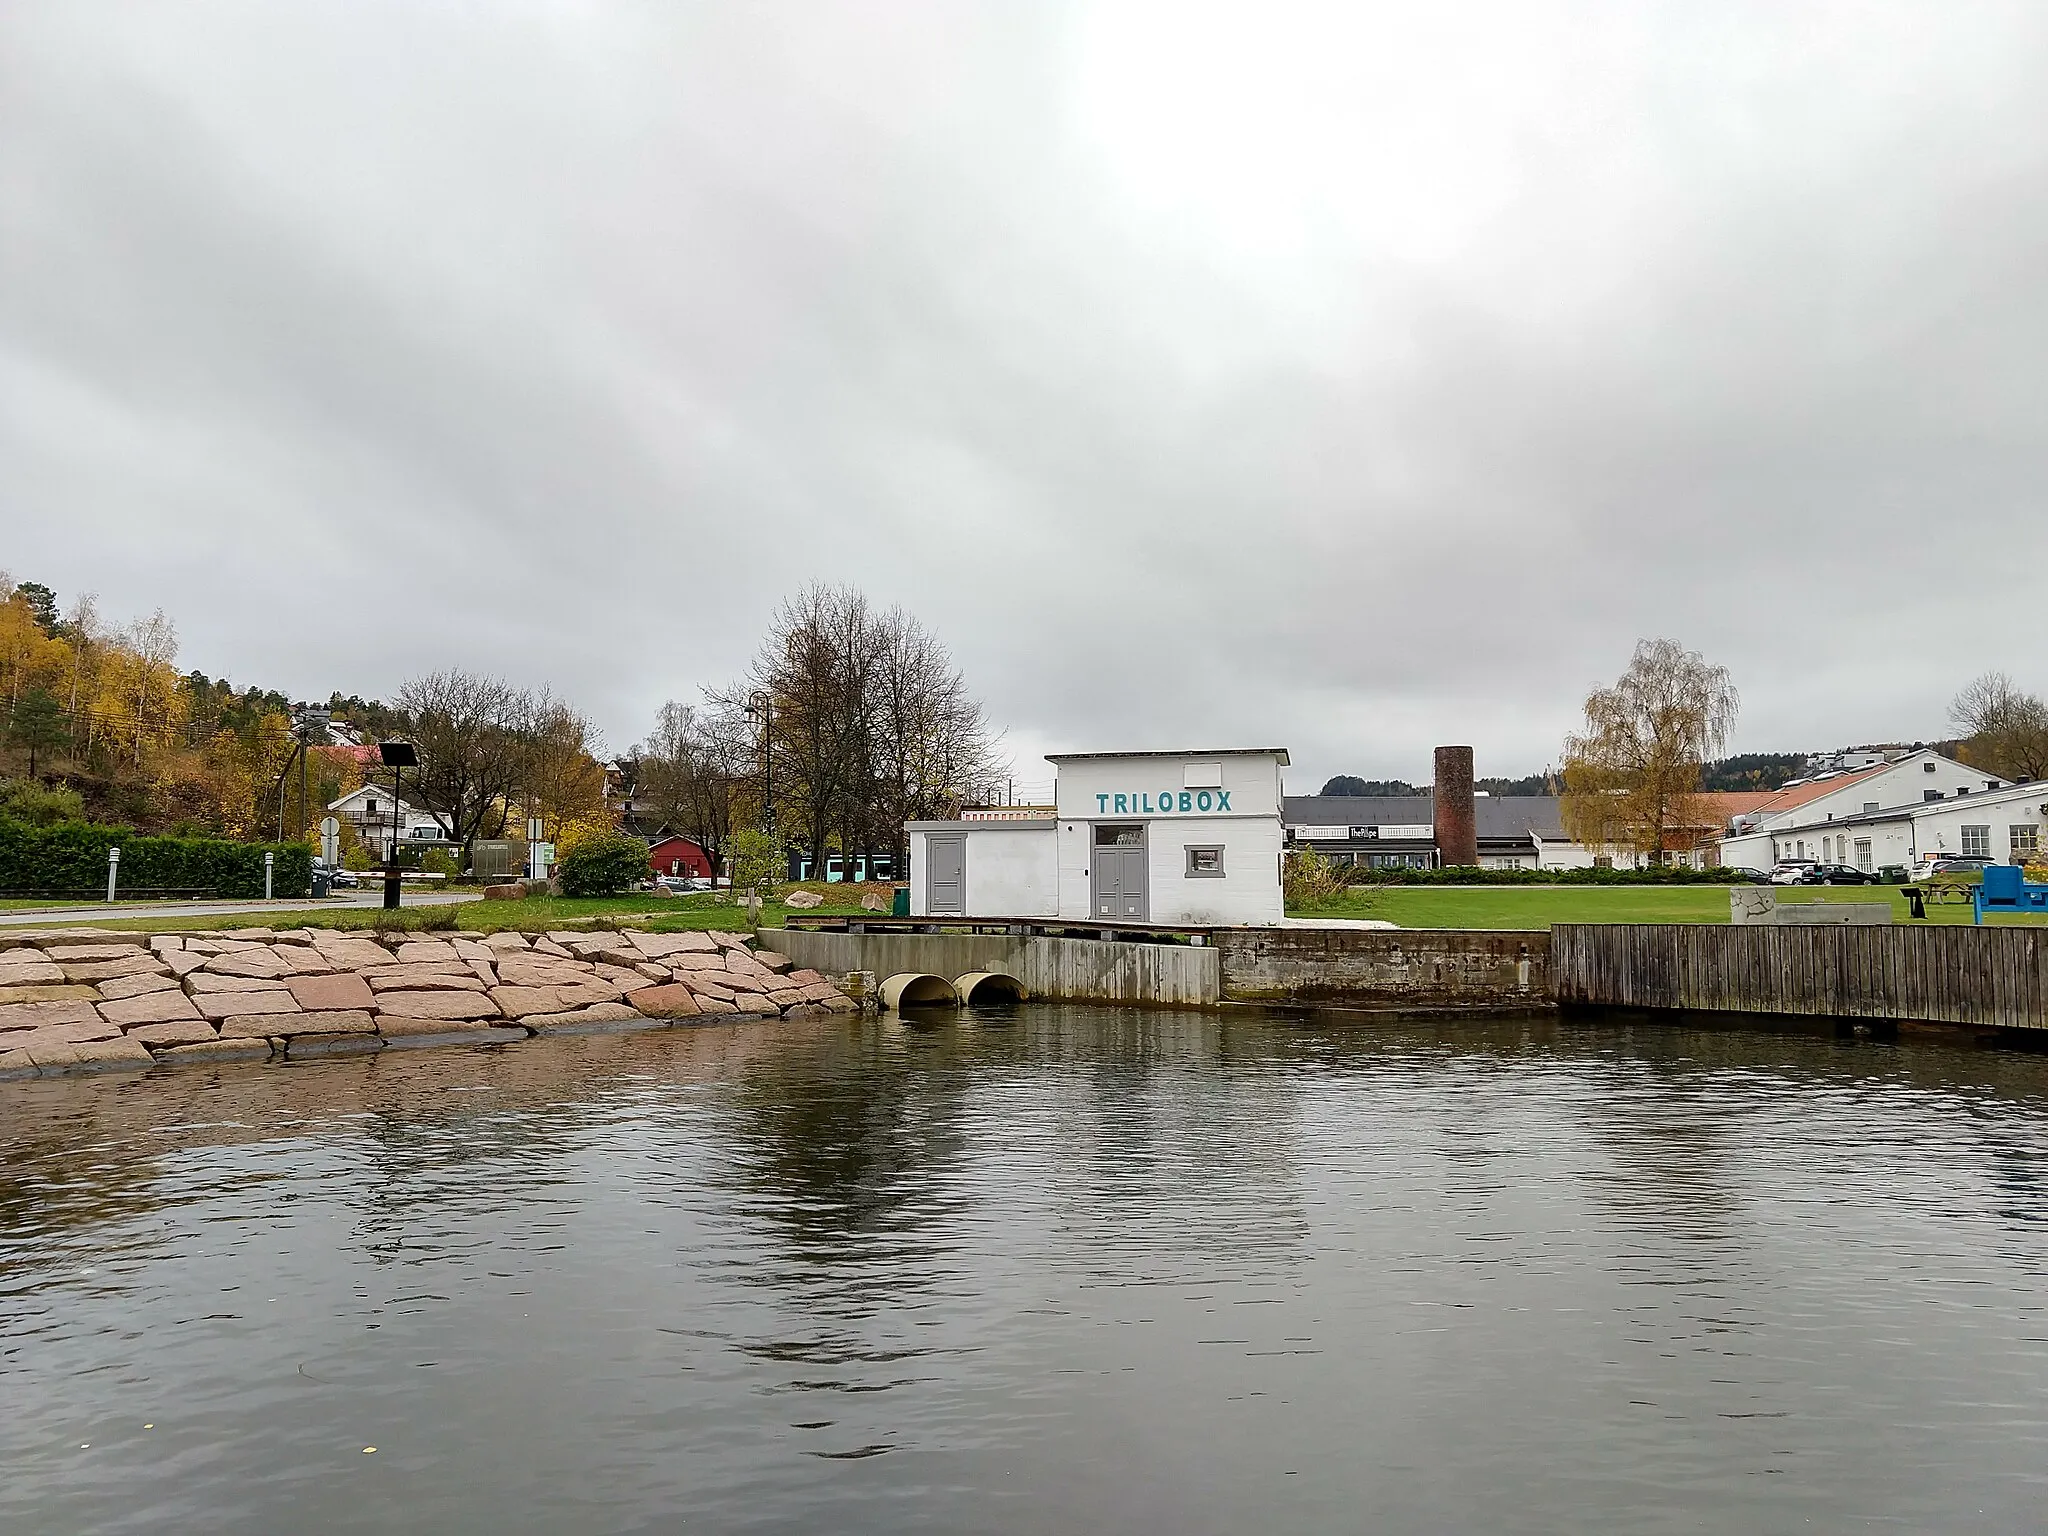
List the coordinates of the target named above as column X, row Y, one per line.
column 80, row 1000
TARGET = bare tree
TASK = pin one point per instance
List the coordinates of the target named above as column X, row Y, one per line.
column 871, row 724
column 697, row 770
column 812, row 674
column 473, row 747
column 1633, row 773
column 930, row 744
column 2007, row 729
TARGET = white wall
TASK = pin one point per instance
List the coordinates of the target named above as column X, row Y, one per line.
column 1153, row 791
column 1563, row 855
column 1011, row 869
column 1894, row 788
column 1939, row 829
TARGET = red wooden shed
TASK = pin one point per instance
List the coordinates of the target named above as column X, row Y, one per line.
column 677, row 856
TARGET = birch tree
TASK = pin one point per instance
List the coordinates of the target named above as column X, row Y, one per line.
column 1633, row 773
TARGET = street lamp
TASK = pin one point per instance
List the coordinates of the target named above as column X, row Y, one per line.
column 397, row 756
column 761, row 706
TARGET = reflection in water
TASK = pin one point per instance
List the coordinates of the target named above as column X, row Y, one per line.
column 1050, row 1269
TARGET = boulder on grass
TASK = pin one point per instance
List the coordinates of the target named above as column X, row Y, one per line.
column 802, row 900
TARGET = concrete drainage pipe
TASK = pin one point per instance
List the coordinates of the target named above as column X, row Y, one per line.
column 989, row 987
column 914, row 989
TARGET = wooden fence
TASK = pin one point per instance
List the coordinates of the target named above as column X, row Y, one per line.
column 1986, row 977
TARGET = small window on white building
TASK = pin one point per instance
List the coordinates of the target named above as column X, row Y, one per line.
column 1932, row 794
column 1205, row 862
column 1869, row 806
column 1976, row 842
column 370, row 806
column 2026, row 839
column 1863, row 853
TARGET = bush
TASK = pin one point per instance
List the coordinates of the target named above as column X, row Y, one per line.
column 39, row 805
column 754, row 861
column 71, row 860
column 1465, row 874
column 1309, row 879
column 439, row 861
column 602, row 866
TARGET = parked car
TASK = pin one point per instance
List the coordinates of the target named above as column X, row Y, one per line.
column 1841, row 874
column 337, row 878
column 1742, row 874
column 1933, row 866
column 1793, row 872
column 679, row 883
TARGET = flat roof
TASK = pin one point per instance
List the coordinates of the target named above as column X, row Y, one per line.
column 994, row 824
column 1082, row 757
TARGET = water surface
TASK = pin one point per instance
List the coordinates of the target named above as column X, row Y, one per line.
column 1062, row 1269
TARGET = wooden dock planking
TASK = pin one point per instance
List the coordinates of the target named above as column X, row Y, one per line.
column 1993, row 978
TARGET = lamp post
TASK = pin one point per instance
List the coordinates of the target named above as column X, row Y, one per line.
column 760, row 704
column 397, row 756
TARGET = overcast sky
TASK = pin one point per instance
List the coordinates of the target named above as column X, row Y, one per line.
column 1350, row 378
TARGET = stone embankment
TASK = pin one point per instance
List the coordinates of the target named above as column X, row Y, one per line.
column 81, row 1000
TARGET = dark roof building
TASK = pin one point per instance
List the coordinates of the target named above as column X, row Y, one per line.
column 1399, row 831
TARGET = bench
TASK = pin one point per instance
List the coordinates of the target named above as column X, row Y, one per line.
column 2005, row 889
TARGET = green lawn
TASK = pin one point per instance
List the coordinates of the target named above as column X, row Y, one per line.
column 1538, row 906
column 535, row 915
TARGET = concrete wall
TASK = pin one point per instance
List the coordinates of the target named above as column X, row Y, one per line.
column 1433, row 968
column 1076, row 970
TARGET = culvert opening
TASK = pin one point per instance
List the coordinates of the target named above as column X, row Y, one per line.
column 989, row 987
column 913, row 989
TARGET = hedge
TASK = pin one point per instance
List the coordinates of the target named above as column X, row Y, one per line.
column 70, row 859
column 1465, row 874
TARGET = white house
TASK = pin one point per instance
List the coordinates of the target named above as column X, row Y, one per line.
column 369, row 809
column 1145, row 837
column 1808, row 820
column 2002, row 825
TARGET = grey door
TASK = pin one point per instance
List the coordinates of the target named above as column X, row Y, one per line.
column 1118, row 875
column 946, row 874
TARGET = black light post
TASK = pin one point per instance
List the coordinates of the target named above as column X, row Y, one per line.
column 397, row 756
column 763, row 705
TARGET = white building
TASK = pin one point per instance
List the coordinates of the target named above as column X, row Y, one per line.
column 369, row 809
column 1808, row 820
column 1143, row 837
column 2002, row 825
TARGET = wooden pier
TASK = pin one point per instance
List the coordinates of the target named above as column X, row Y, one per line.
column 1986, row 978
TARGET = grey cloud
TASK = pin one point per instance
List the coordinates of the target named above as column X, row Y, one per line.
column 564, row 343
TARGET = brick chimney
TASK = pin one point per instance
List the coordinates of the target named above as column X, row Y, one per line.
column 1457, row 827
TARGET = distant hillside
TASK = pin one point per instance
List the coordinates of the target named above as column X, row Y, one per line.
column 1748, row 770
column 1753, row 770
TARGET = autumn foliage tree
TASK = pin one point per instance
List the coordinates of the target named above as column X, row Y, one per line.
column 1632, row 774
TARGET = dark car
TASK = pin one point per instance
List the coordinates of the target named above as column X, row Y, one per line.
column 1840, row 874
column 1741, row 874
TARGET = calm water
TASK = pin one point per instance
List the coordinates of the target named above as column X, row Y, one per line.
column 1062, row 1270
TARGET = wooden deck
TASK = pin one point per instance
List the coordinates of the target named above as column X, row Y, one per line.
column 1990, row 978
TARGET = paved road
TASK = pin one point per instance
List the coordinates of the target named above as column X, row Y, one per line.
column 99, row 912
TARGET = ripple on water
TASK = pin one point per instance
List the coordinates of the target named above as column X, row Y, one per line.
column 1058, row 1268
